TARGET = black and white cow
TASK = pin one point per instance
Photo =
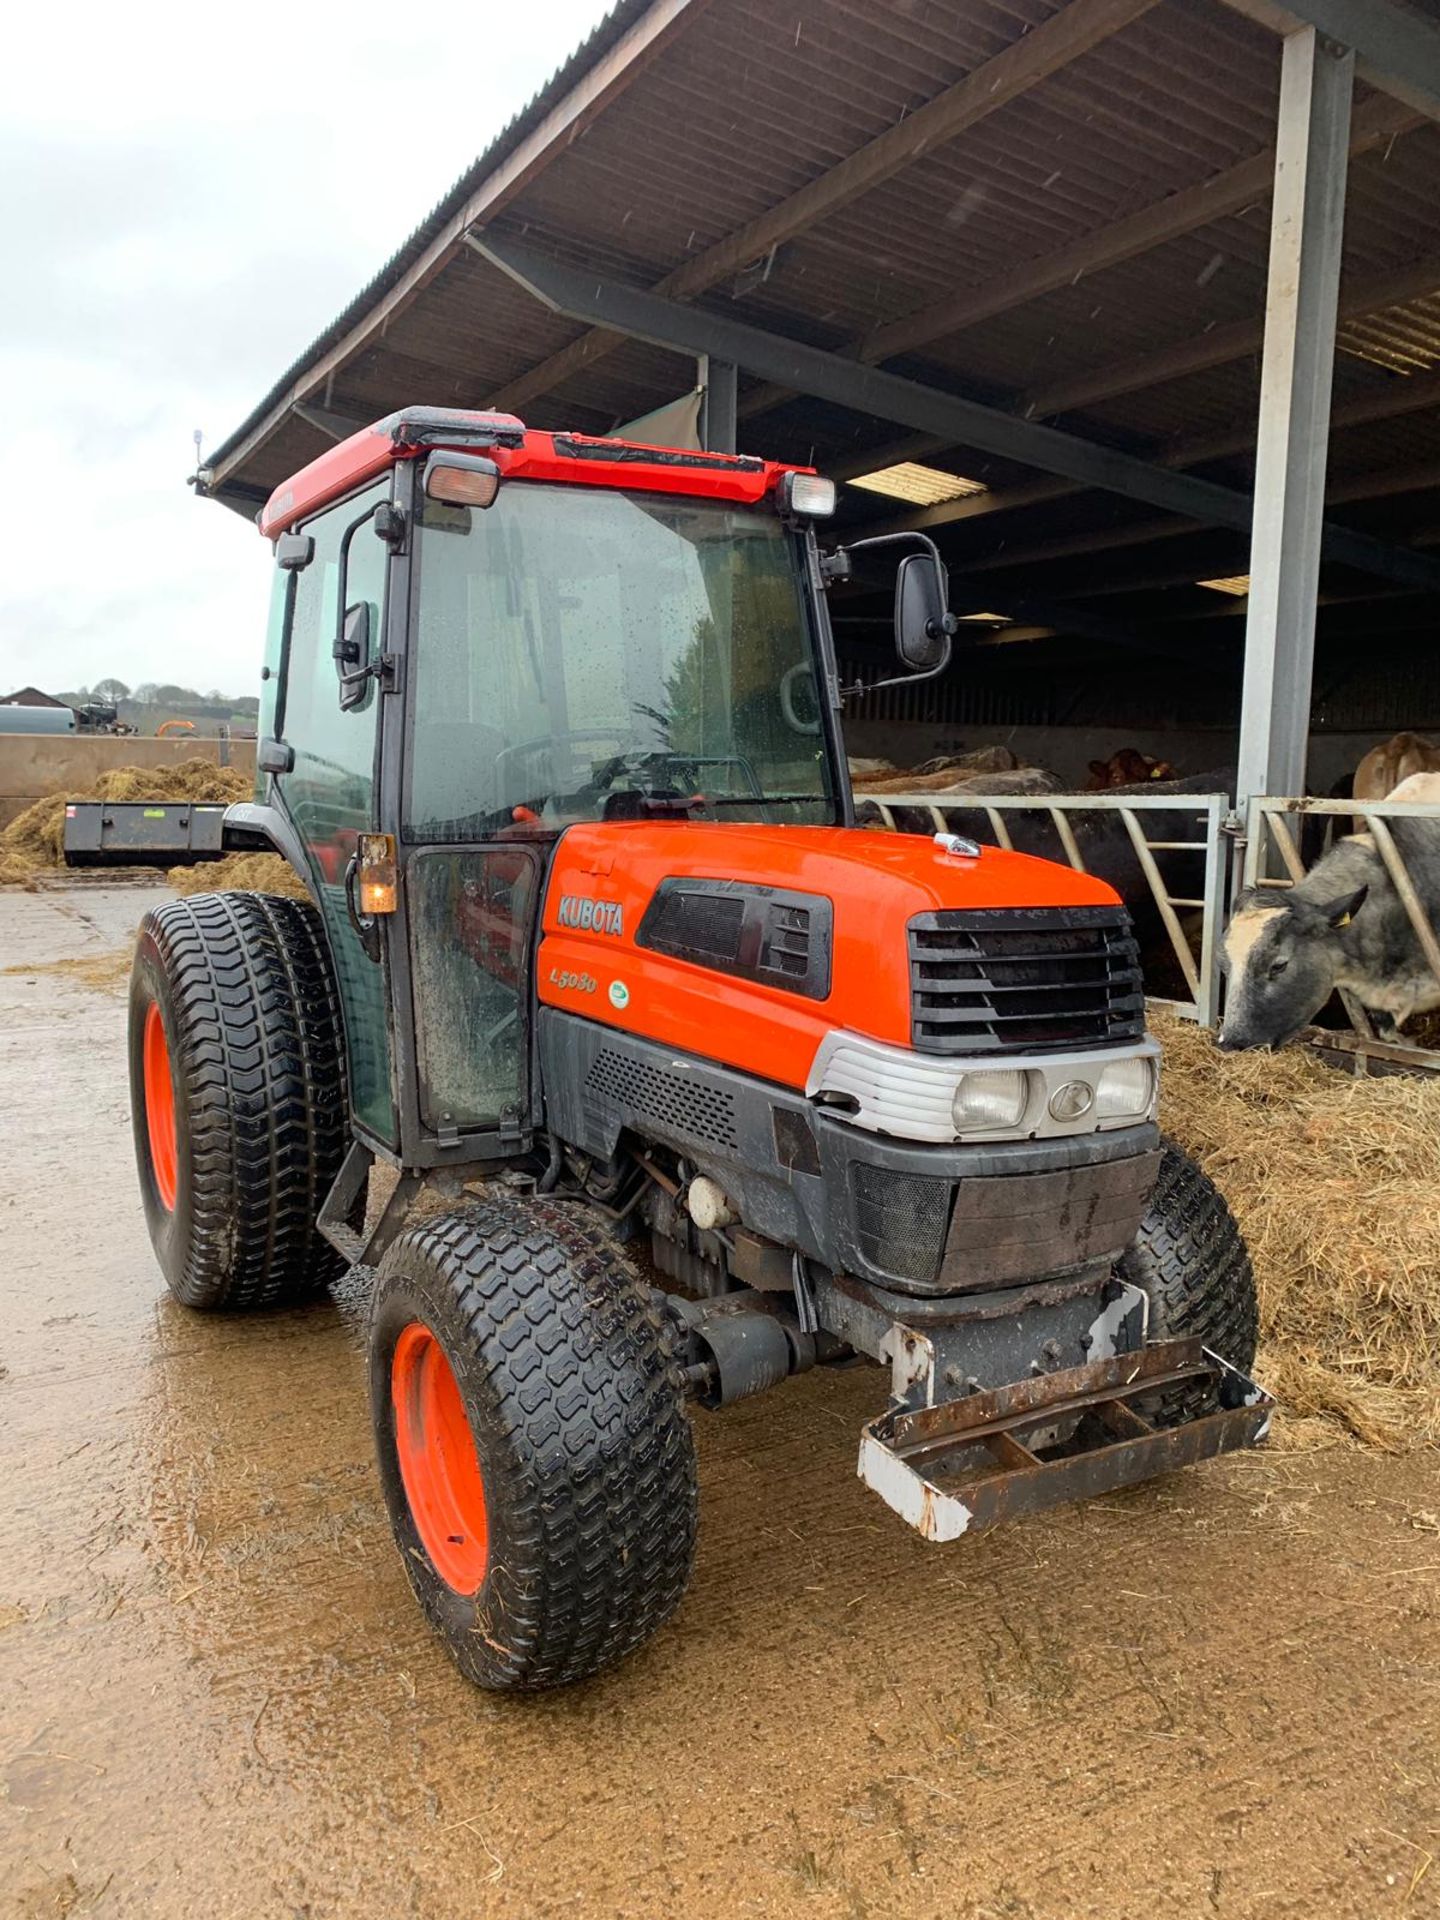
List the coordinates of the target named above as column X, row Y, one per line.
column 1343, row 925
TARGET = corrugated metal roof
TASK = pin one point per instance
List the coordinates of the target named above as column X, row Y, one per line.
column 749, row 101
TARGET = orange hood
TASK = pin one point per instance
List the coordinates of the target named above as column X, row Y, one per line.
column 605, row 876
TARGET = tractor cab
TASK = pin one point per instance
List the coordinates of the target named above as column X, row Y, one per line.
column 483, row 636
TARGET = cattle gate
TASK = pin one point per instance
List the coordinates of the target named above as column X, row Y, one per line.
column 1190, row 921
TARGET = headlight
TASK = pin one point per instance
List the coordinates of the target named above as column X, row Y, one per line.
column 989, row 1100
column 806, row 493
column 1124, row 1090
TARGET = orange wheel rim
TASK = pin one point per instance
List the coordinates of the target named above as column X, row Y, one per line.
column 439, row 1466
column 159, row 1106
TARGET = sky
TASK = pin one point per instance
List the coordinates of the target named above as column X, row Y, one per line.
column 188, row 196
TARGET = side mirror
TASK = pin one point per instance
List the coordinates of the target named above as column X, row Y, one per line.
column 923, row 622
column 294, row 551
column 352, row 655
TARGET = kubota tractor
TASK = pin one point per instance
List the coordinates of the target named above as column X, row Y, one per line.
column 550, row 733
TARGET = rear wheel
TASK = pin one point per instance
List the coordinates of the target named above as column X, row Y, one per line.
column 534, row 1451
column 237, row 1096
column 1191, row 1262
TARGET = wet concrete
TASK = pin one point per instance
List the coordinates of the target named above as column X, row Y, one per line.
column 1218, row 1695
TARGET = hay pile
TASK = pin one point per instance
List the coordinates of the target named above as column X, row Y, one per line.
column 35, row 839
column 1336, row 1185
column 250, row 872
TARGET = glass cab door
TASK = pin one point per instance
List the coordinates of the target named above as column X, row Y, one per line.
column 330, row 792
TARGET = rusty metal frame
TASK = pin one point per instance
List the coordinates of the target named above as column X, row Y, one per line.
column 973, row 1463
column 1268, row 835
column 1199, row 964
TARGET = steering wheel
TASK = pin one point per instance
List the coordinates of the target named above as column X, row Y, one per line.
column 802, row 673
column 552, row 740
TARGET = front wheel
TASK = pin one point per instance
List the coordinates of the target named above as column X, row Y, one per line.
column 1190, row 1260
column 534, row 1451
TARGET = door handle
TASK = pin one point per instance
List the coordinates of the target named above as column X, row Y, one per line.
column 367, row 926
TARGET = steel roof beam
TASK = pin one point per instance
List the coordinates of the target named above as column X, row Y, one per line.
column 1396, row 48
column 1399, row 395
column 1216, row 348
column 642, row 315
column 1043, row 51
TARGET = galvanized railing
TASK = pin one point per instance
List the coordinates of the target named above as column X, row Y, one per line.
column 1270, row 835
column 1196, row 946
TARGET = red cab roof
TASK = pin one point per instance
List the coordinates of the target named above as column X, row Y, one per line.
column 579, row 459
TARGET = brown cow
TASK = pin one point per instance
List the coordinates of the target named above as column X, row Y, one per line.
column 1383, row 768
column 1127, row 768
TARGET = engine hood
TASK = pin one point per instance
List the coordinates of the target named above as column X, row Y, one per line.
column 602, row 959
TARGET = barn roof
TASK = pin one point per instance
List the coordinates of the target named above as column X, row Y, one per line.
column 1059, row 212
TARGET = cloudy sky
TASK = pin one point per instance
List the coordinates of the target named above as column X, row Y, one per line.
column 187, row 197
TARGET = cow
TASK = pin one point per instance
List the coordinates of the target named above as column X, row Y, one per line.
column 1383, row 768
column 1343, row 925
column 949, row 772
column 1127, row 768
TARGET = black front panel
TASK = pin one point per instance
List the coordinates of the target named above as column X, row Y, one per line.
column 757, row 933
column 943, row 1236
column 1024, row 980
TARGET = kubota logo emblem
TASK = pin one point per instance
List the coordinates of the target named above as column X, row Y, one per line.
column 591, row 916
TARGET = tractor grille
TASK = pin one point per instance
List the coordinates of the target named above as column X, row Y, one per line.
column 670, row 1102
column 1023, row 979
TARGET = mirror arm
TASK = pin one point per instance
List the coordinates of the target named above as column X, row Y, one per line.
column 950, row 628
column 857, row 687
column 337, row 648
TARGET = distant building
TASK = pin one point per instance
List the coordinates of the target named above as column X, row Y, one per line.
column 30, row 697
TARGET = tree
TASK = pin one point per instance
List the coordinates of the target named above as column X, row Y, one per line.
column 112, row 691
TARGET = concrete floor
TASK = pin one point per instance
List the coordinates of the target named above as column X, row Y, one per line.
column 1216, row 1696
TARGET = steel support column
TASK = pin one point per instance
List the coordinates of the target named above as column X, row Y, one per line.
column 1316, row 83
column 718, row 377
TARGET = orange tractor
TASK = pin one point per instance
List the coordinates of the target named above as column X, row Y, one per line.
column 550, row 731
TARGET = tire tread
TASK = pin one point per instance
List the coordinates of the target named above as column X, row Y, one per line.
column 600, row 1499
column 256, row 1035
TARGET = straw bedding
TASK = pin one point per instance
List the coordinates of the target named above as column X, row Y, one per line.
column 1336, row 1185
column 249, row 872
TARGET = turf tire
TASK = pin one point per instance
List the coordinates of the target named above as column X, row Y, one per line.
column 574, row 1403
column 251, row 1019
column 1190, row 1259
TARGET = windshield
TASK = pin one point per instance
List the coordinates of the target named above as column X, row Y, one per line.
column 587, row 654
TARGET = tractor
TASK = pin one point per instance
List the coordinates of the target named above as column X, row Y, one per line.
column 628, row 1070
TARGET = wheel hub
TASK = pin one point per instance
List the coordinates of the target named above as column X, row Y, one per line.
column 439, row 1466
column 159, row 1106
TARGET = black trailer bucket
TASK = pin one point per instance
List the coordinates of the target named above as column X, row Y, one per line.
column 142, row 833
column 964, row 1465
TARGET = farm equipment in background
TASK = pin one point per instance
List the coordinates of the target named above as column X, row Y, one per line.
column 550, row 732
